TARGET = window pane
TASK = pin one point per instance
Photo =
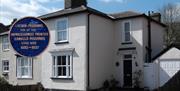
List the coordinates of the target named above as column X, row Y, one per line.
column 63, row 60
column 69, row 71
column 68, row 60
column 25, row 69
column 127, row 27
column 59, row 71
column 7, row 63
column 127, row 36
column 26, row 62
column 64, row 33
column 22, row 62
column 59, row 60
column 62, row 25
column 7, row 68
column 60, row 36
column 64, row 71
column 127, row 31
column 4, row 68
column 4, row 63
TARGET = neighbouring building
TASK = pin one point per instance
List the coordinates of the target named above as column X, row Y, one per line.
column 87, row 47
column 16, row 69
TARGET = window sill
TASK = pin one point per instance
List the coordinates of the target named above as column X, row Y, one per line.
column 58, row 78
column 61, row 42
column 25, row 78
column 5, row 50
column 5, row 72
column 125, row 43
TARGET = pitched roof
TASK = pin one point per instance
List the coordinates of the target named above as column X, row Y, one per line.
column 115, row 16
column 73, row 11
column 3, row 28
column 125, row 14
column 177, row 45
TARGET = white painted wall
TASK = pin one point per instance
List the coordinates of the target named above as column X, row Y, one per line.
column 137, row 41
column 101, row 50
column 12, row 79
column 77, row 40
column 157, row 38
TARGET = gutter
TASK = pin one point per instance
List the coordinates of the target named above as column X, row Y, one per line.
column 149, row 38
column 88, row 53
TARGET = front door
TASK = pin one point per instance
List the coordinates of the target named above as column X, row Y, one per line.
column 127, row 73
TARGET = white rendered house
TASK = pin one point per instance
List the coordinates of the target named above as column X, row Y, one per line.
column 87, row 47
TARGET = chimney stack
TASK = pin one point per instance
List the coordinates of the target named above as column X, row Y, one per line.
column 69, row 4
column 156, row 16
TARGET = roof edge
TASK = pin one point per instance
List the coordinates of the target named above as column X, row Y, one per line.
column 165, row 50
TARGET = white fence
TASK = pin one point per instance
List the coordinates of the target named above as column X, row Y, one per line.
column 157, row 74
column 150, row 76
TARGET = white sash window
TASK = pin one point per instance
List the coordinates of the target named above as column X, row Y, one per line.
column 5, row 65
column 62, row 30
column 5, row 43
column 24, row 67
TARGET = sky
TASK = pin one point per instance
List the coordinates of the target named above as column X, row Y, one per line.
column 10, row 9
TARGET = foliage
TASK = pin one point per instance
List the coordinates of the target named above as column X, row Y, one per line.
column 136, row 78
column 110, row 84
column 171, row 17
column 3, row 82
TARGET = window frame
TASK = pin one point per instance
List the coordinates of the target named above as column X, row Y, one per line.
column 5, row 71
column 29, row 67
column 67, row 30
column 54, row 67
column 123, row 32
column 5, row 43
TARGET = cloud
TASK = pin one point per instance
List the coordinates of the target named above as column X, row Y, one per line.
column 10, row 9
column 108, row 1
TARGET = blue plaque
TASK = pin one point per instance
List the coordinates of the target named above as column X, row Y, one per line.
column 29, row 36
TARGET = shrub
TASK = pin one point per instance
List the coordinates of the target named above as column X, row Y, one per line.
column 3, row 82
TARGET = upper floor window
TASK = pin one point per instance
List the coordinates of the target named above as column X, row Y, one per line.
column 5, row 43
column 62, row 66
column 5, row 65
column 24, row 67
column 126, row 31
column 62, row 30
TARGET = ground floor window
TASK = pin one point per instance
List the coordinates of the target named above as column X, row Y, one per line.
column 24, row 67
column 62, row 66
column 5, row 65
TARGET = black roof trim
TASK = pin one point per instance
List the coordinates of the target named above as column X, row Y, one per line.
column 165, row 50
column 130, row 48
column 142, row 15
column 83, row 9
column 63, row 13
column 66, row 12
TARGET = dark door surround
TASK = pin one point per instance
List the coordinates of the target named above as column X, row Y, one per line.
column 127, row 72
